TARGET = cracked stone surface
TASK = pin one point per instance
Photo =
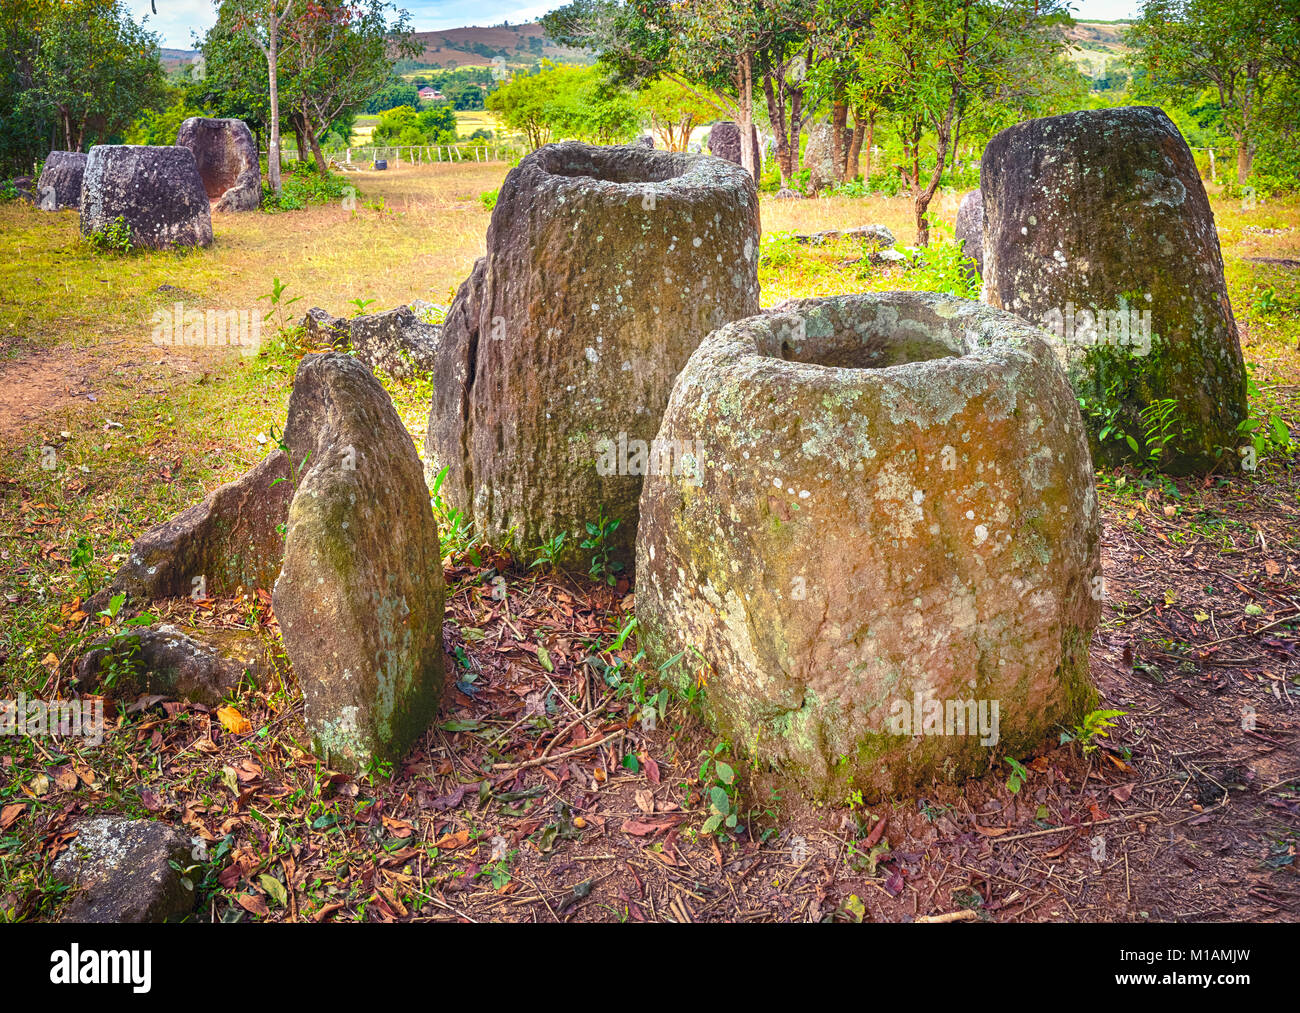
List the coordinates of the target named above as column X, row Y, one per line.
column 891, row 495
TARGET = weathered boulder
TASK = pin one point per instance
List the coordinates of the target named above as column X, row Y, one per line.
column 226, row 156
column 396, row 342
column 645, row 141
column 322, row 328
column 724, row 141
column 121, row 872
column 360, row 596
column 1097, row 227
column 200, row 666
column 230, row 540
column 877, row 235
column 892, row 502
column 605, row 269
column 157, row 191
column 60, row 182
column 970, row 228
column 818, row 158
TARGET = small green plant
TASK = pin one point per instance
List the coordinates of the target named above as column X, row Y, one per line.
column 603, row 565
column 8, row 191
column 115, row 237
column 719, row 780
column 1092, row 728
column 488, row 198
column 942, row 267
column 1019, row 775
column 1161, row 425
column 454, row 535
column 1263, row 426
column 81, row 556
column 360, row 305
column 548, row 553
column 278, row 302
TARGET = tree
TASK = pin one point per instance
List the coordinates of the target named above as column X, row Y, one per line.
column 575, row 102
column 340, row 53
column 712, row 48
column 928, row 61
column 673, row 112
column 1240, row 48
column 261, row 22
column 89, row 68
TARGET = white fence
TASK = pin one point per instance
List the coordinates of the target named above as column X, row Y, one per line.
column 414, row 154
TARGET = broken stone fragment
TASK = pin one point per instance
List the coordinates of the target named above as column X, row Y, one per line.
column 396, row 343
column 323, row 329
column 230, row 540
column 360, row 596
column 199, row 666
column 226, row 156
column 121, row 872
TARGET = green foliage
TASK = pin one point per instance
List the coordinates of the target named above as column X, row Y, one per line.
column 454, row 528
column 278, row 302
column 603, row 566
column 303, row 184
column 574, row 102
column 1092, row 728
column 943, row 267
column 115, row 237
column 488, row 198
column 403, row 125
column 1263, row 426
column 1019, row 775
column 548, row 552
column 718, row 778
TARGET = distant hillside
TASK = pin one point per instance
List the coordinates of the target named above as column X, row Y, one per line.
column 478, row 47
column 174, row 59
column 1095, row 42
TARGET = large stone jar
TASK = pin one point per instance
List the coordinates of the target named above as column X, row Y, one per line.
column 1097, row 228
column 605, row 269
column 891, row 509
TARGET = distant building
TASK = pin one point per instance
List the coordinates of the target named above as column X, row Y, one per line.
column 428, row 94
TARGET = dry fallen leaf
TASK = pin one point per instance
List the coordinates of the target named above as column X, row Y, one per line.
column 233, row 722
column 10, row 813
column 645, row 801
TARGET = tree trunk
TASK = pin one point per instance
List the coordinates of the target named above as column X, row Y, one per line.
column 775, row 93
column 853, row 163
column 745, row 115
column 870, row 142
column 839, row 150
column 314, row 141
column 1245, row 157
column 943, row 135
column 273, row 141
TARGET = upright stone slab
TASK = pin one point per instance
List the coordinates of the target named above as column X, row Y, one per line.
column 605, row 269
column 60, row 183
column 396, row 342
column 818, row 158
column 360, row 597
column 885, row 505
column 1097, row 227
column 724, row 141
column 226, row 155
column 970, row 228
column 156, row 190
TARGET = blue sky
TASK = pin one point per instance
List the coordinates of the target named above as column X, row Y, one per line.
column 176, row 19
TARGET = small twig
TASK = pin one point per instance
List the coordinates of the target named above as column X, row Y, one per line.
column 538, row 761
